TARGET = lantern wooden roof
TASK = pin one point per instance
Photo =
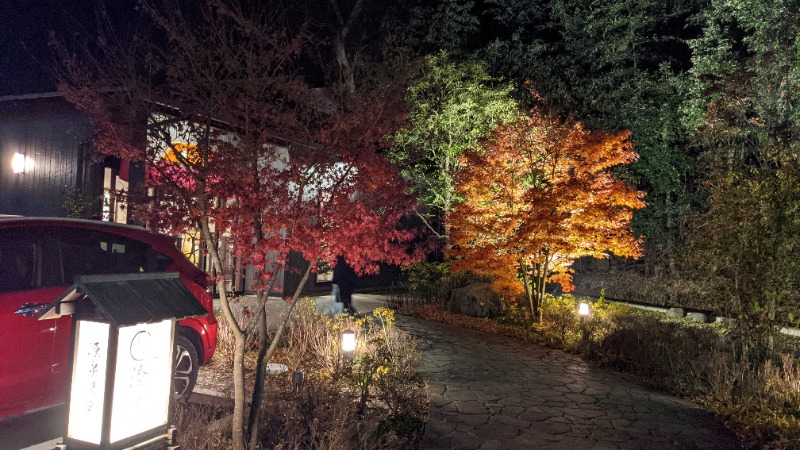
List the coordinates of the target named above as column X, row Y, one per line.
column 127, row 299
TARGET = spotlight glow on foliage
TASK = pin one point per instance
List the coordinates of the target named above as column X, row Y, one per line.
column 540, row 195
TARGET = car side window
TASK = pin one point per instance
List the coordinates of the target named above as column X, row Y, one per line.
column 157, row 261
column 17, row 260
column 91, row 252
column 52, row 273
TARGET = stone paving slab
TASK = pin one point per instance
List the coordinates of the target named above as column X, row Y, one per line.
column 492, row 392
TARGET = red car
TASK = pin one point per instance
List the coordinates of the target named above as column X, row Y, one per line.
column 39, row 259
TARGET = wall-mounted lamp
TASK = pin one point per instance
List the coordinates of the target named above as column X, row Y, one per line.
column 19, row 163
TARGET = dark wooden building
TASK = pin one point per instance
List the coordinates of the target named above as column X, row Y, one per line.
column 45, row 151
column 48, row 168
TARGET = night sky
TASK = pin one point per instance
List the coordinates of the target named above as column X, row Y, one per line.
column 25, row 60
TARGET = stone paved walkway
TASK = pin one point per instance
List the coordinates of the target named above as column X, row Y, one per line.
column 492, row 392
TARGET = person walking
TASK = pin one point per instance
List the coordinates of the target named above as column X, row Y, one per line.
column 345, row 280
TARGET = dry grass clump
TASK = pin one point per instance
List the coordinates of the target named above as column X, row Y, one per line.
column 202, row 426
column 318, row 416
column 225, row 341
column 372, row 400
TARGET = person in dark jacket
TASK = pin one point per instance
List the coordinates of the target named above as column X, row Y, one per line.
column 345, row 277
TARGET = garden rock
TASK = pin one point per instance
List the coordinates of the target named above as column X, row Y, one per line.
column 675, row 313
column 697, row 317
column 477, row 300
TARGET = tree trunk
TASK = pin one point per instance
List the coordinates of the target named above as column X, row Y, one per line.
column 540, row 290
column 237, row 421
column 537, row 293
column 526, row 281
column 447, row 204
column 345, row 68
column 261, row 368
column 264, row 356
column 258, row 386
column 446, row 244
column 346, row 74
column 671, row 251
column 274, row 344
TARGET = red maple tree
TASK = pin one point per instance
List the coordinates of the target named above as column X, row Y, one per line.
column 538, row 195
column 235, row 141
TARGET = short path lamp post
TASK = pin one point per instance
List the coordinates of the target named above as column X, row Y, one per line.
column 347, row 350
column 122, row 347
column 348, row 343
column 298, row 376
column 583, row 310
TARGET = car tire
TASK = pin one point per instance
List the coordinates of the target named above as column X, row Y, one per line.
column 185, row 366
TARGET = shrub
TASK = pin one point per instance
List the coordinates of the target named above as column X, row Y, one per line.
column 225, row 342
column 666, row 354
column 396, row 378
column 377, row 403
column 379, row 383
column 311, row 341
column 729, row 370
column 516, row 313
column 561, row 322
column 433, row 282
column 320, row 417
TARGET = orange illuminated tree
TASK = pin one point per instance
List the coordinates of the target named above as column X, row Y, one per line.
column 539, row 194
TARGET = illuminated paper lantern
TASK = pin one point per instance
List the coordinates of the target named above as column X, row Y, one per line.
column 122, row 350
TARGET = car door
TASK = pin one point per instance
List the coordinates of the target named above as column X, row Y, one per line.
column 54, row 283
column 26, row 343
column 72, row 251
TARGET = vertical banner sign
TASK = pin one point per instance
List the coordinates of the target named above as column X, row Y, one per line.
column 88, row 382
column 144, row 374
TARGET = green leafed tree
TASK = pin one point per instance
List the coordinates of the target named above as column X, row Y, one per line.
column 427, row 26
column 451, row 106
column 745, row 108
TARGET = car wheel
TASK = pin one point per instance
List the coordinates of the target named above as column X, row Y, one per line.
column 186, row 365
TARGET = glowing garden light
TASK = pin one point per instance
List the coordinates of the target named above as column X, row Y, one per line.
column 348, row 342
column 583, row 310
